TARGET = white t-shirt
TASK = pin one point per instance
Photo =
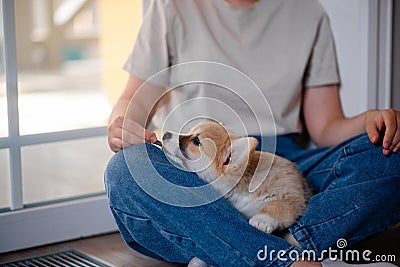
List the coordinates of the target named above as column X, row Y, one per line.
column 282, row 46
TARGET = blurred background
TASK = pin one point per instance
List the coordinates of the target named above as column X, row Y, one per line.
column 69, row 57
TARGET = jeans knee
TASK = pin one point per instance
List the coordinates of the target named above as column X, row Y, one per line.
column 115, row 171
column 368, row 161
column 128, row 165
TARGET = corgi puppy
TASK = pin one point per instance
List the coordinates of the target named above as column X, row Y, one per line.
column 267, row 189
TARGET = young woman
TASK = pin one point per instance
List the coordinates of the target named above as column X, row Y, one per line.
column 286, row 48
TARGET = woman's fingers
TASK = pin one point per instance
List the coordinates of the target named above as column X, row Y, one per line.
column 372, row 132
column 132, row 127
column 373, row 126
column 125, row 132
column 388, row 120
column 115, row 144
column 115, row 135
column 395, row 145
column 131, row 138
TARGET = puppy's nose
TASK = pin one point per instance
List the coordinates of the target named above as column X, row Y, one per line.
column 167, row 136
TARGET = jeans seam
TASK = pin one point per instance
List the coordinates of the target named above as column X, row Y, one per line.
column 320, row 171
column 333, row 183
column 345, row 151
column 348, row 151
column 172, row 234
column 336, row 173
column 302, row 236
column 129, row 214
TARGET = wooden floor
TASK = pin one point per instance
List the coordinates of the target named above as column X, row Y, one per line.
column 109, row 248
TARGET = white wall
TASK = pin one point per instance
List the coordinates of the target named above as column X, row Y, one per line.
column 349, row 21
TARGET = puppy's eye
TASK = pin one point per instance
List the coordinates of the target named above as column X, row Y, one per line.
column 196, row 141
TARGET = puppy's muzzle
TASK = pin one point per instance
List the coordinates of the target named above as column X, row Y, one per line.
column 167, row 136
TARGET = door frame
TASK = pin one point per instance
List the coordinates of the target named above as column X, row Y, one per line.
column 378, row 18
column 396, row 56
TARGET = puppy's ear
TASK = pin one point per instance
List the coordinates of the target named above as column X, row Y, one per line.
column 241, row 150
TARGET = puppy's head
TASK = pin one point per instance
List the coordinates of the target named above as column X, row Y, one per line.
column 209, row 149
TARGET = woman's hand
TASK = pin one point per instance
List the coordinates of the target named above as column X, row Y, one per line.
column 123, row 133
column 328, row 126
column 386, row 122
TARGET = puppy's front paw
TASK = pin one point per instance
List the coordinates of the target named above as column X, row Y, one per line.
column 264, row 222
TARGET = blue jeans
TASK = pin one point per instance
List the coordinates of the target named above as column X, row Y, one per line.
column 357, row 195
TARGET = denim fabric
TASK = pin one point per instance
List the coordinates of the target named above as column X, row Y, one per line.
column 356, row 196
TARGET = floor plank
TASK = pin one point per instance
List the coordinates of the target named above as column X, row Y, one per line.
column 110, row 248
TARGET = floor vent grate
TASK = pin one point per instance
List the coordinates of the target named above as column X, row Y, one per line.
column 71, row 258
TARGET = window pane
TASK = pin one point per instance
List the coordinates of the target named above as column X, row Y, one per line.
column 59, row 66
column 4, row 179
column 64, row 169
column 3, row 100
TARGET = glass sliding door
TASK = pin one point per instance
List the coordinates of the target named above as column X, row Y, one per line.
column 68, row 169
column 55, row 100
column 54, row 109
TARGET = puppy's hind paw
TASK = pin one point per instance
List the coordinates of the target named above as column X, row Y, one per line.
column 264, row 222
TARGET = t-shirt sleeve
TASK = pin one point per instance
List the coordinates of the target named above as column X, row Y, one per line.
column 151, row 52
column 322, row 66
